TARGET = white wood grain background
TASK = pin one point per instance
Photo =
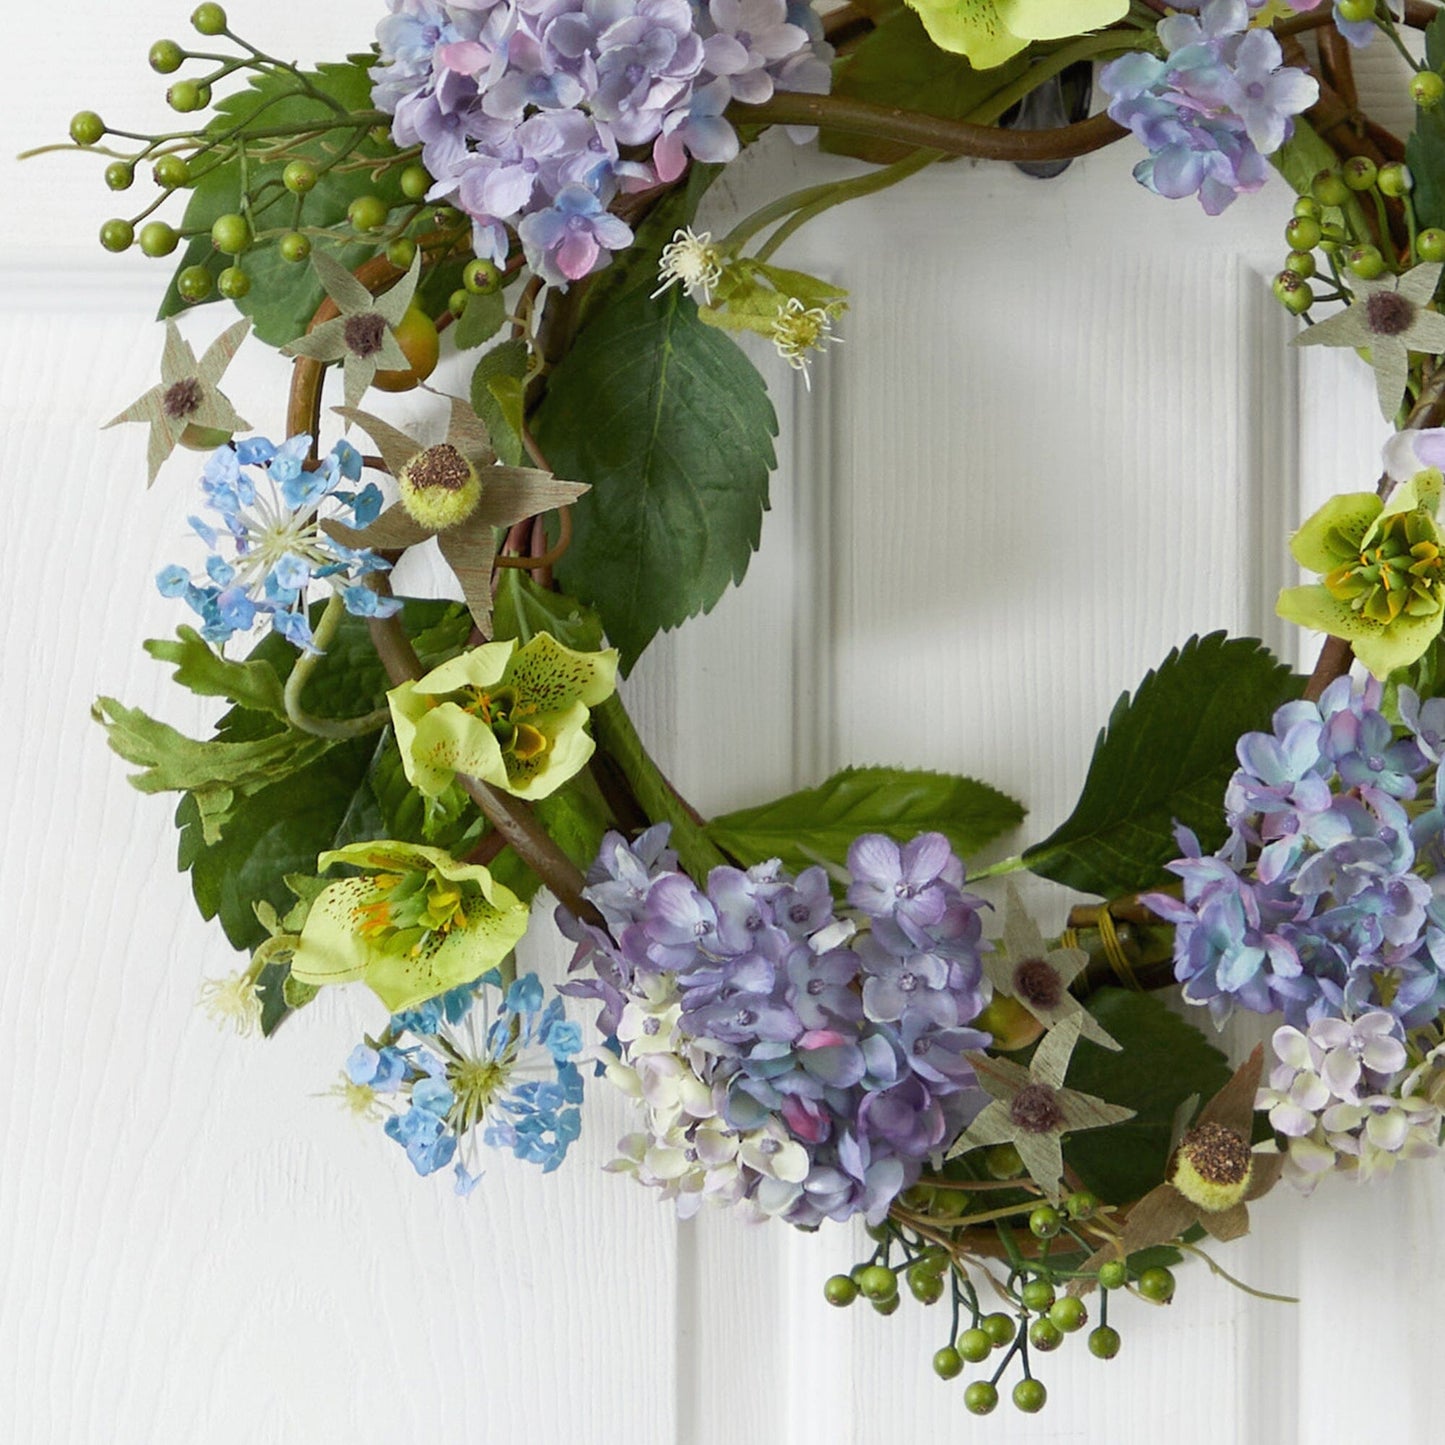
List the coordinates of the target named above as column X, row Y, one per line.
column 1064, row 433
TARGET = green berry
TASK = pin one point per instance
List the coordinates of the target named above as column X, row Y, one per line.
column 1081, row 1205
column 999, row 1327
column 1303, row 233
column 457, row 301
column 1293, row 292
column 230, row 233
column 1430, row 245
column 367, row 213
column 840, row 1290
column 194, row 283
column 1308, row 206
column 1030, row 1396
column 1113, row 1274
column 298, row 177
column 1104, row 1342
column 1396, row 180
column 947, row 1363
column 117, row 235
column 86, row 128
column 878, row 1282
column 415, row 182
column 158, row 239
column 166, row 56
column 171, row 172
column 185, row 95
column 1360, row 173
column 1328, row 189
column 887, row 1306
column 1003, row 1161
column 1427, row 89
column 120, row 175
column 1357, row 10
column 1045, row 1335
column 1068, row 1314
column 974, row 1345
column 1366, row 262
column 482, row 278
column 926, row 1285
column 1037, row 1295
column 980, row 1398
column 294, row 247
column 233, row 283
column 400, row 252
column 1302, row 263
column 1156, row 1284
column 1045, row 1222
column 209, row 18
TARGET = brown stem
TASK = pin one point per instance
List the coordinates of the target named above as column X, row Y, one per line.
column 1418, row 14
column 953, row 137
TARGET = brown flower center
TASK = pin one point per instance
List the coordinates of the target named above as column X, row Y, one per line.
column 439, row 466
column 1036, row 1110
column 1218, row 1154
column 364, row 333
column 1037, row 983
column 1387, row 313
column 183, row 398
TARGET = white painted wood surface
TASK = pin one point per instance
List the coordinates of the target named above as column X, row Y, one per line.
column 1064, row 433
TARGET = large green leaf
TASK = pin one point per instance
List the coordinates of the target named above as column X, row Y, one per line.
column 898, row 65
column 822, row 822
column 1163, row 1062
column 1164, row 757
column 284, row 295
column 1425, row 150
column 497, row 397
column 523, row 609
column 671, row 425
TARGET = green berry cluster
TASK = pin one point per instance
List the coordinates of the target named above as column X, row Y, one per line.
column 1041, row 1313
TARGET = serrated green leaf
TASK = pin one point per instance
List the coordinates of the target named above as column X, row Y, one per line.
column 205, row 672
column 1162, row 1062
column 671, row 425
column 1165, row 756
column 523, row 609
column 481, row 319
column 1425, row 149
column 284, row 295
column 824, row 821
column 898, row 65
column 504, row 363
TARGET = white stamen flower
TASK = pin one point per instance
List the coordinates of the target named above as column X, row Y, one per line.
column 232, row 1000
column 691, row 259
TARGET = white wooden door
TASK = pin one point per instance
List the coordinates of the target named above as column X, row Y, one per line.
column 1063, row 433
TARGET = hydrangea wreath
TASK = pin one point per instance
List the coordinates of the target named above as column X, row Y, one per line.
column 828, row 1032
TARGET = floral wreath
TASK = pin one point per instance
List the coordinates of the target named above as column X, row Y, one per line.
column 798, row 996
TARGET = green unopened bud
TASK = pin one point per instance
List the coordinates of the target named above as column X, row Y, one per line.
column 1213, row 1167
column 439, row 487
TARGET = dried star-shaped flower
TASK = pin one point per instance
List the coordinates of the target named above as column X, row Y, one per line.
column 1213, row 1174
column 1038, row 977
column 1389, row 317
column 187, row 394
column 455, row 492
column 1032, row 1110
column 361, row 338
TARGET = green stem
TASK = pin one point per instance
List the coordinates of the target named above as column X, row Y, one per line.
column 1239, row 1284
column 306, row 664
column 657, row 797
column 1015, row 864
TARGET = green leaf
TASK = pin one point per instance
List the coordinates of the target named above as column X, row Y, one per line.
column 824, row 821
column 1425, row 150
column 1164, row 757
column 497, row 397
column 671, row 425
column 523, row 609
column 201, row 668
column 284, row 295
column 898, row 65
column 481, row 319
column 1163, row 1061
column 1301, row 158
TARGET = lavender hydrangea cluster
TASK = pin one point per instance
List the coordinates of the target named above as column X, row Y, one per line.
column 799, row 1061
column 1211, row 110
column 1358, row 32
column 1327, row 899
column 532, row 114
column 269, row 545
column 457, row 1074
